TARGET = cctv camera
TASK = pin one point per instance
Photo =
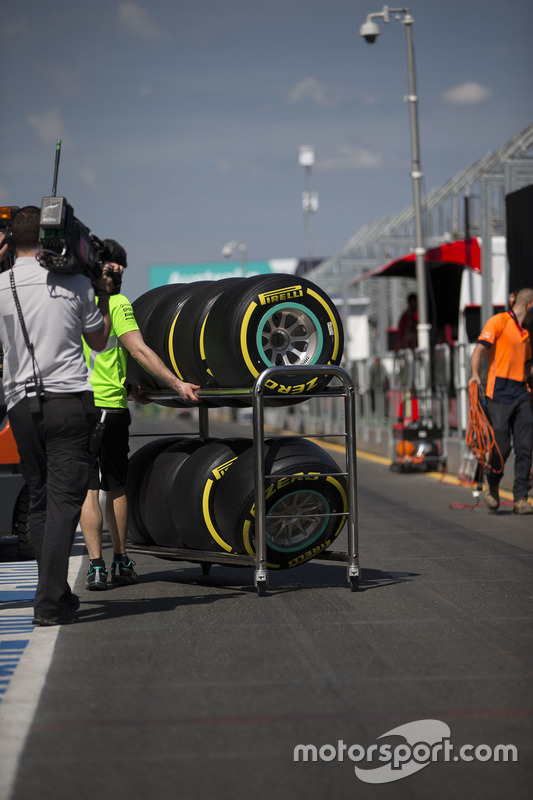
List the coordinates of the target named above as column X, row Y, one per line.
column 369, row 31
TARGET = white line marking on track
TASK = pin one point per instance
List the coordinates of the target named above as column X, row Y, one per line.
column 25, row 653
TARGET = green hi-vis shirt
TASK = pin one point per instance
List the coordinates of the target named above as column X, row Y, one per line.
column 107, row 369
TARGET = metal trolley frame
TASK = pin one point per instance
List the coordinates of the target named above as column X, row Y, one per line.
column 257, row 396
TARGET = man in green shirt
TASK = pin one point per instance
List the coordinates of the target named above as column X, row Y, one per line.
column 107, row 373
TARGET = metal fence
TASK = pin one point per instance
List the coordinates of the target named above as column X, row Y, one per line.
column 393, row 387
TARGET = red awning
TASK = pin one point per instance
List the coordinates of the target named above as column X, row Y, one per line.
column 465, row 252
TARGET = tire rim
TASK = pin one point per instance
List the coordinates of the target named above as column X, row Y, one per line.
column 289, row 335
column 300, row 525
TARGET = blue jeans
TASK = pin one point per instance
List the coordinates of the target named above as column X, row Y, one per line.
column 512, row 424
column 54, row 452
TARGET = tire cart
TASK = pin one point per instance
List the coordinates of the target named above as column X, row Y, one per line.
column 256, row 395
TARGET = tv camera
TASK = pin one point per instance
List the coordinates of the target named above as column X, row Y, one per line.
column 68, row 247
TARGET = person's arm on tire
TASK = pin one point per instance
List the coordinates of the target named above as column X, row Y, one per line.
column 149, row 360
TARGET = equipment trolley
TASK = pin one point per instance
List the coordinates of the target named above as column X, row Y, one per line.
column 257, row 395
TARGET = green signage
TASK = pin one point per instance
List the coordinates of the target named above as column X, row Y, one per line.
column 163, row 274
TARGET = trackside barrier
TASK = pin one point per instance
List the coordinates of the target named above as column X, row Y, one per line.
column 385, row 386
column 256, row 395
column 461, row 373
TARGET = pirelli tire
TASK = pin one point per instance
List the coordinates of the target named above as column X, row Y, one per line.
column 139, row 470
column 195, row 493
column 157, row 317
column 306, row 506
column 161, row 503
column 143, row 308
column 272, row 320
column 187, row 340
column 187, row 335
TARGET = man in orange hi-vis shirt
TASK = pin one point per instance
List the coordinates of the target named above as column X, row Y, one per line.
column 506, row 343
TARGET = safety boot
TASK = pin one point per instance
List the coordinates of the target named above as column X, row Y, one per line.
column 491, row 495
column 522, row 507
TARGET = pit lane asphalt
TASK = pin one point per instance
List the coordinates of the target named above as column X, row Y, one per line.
column 192, row 687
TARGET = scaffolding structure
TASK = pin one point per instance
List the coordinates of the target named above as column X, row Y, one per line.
column 472, row 203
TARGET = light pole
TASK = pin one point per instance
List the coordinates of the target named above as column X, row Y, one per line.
column 370, row 31
column 227, row 252
column 306, row 159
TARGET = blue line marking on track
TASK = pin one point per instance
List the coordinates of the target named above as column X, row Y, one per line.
column 13, row 597
column 21, row 575
column 10, row 654
column 18, row 581
column 15, row 624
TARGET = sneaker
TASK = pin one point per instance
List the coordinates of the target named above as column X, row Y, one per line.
column 492, row 497
column 96, row 578
column 122, row 572
column 522, row 507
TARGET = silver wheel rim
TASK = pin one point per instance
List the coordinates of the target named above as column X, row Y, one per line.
column 290, row 337
column 298, row 524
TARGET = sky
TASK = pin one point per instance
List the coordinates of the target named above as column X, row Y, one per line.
column 181, row 122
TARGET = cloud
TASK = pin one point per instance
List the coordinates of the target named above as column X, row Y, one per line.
column 134, row 19
column 48, row 126
column 351, row 158
column 466, row 94
column 145, row 90
column 321, row 94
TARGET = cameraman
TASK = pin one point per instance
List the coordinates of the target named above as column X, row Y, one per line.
column 50, row 401
column 107, row 372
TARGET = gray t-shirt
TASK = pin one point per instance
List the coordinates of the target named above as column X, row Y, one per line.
column 57, row 309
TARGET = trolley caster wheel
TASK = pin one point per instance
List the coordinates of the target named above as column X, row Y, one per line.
column 206, row 567
column 261, row 588
column 354, row 583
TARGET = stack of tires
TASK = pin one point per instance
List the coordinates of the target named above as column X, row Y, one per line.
column 199, row 494
column 223, row 334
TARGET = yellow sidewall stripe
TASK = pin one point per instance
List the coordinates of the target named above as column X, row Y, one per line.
column 332, row 319
column 202, row 346
column 244, row 346
column 171, row 348
column 207, row 517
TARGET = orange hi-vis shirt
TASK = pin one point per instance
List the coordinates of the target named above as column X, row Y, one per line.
column 509, row 348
